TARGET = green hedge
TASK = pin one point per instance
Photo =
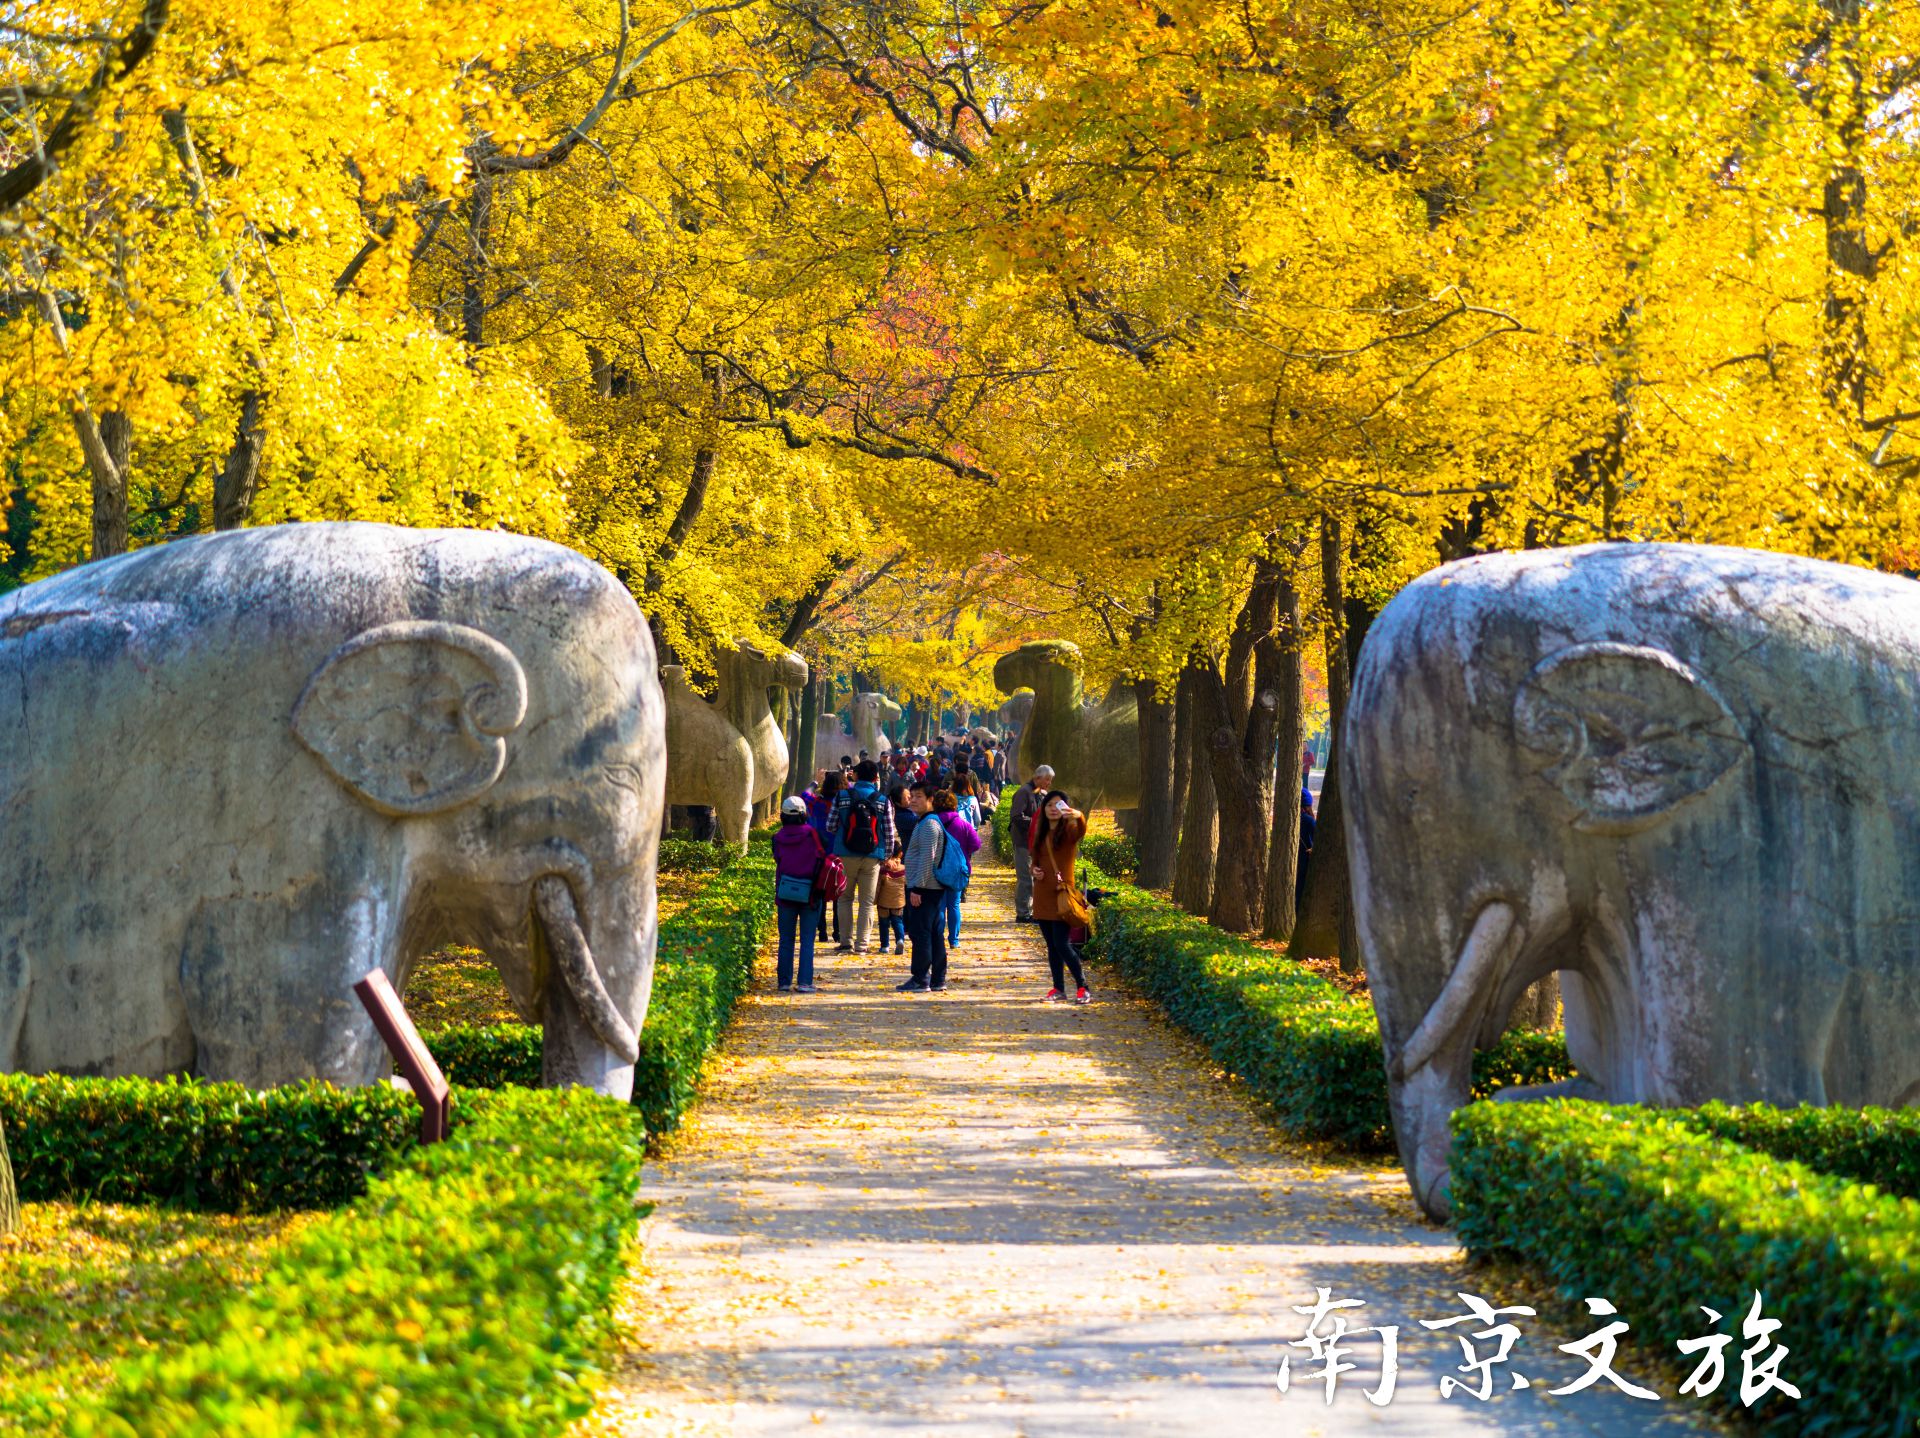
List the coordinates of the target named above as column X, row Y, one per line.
column 1003, row 823
column 1641, row 1207
column 694, row 856
column 487, row 1055
column 1880, row 1146
column 705, row 961
column 1305, row 1046
column 1112, row 853
column 466, row 1293
column 223, row 1147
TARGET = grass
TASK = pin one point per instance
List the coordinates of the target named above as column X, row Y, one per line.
column 85, row 1285
column 461, row 986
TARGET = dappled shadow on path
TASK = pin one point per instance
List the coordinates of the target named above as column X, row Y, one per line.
column 975, row 1212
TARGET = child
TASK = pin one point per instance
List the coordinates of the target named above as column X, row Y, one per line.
column 890, row 901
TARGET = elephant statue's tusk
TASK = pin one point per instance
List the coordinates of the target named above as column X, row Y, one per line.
column 553, row 902
column 1493, row 928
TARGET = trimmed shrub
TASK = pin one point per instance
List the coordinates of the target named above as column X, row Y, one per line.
column 221, row 1148
column 694, row 856
column 465, row 1293
column 1303, row 1045
column 1003, row 824
column 706, row 960
column 487, row 1056
column 1641, row 1207
column 1880, row 1146
column 1112, row 853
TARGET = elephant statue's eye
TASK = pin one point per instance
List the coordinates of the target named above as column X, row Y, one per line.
column 626, row 776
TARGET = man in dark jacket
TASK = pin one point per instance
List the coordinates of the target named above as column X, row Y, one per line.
column 1026, row 803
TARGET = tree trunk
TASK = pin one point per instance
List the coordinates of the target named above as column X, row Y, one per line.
column 473, row 287
column 110, row 522
column 1193, row 867
column 1182, row 775
column 1323, row 917
column 1159, row 821
column 233, row 486
column 9, row 1194
column 1283, row 843
column 1539, row 1007
column 1236, row 709
column 800, row 771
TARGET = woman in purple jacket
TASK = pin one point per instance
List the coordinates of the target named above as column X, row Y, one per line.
column 946, row 808
column 797, row 857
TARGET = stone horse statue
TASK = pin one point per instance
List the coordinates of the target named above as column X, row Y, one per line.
column 831, row 739
column 728, row 753
column 1093, row 746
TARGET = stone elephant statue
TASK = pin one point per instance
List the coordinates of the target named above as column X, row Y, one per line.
column 1093, row 746
column 243, row 770
column 1684, row 778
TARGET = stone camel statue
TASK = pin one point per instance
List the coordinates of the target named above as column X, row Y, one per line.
column 870, row 711
column 728, row 753
column 746, row 674
column 1093, row 746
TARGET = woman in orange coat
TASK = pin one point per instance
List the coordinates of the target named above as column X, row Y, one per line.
column 1054, row 843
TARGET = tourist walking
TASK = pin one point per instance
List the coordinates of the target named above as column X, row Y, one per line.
column 820, row 797
column 798, row 858
column 962, row 820
column 890, row 902
column 925, row 898
column 1055, row 845
column 1026, row 804
column 862, row 829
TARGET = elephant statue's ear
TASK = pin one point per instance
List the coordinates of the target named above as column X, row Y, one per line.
column 1627, row 733
column 410, row 716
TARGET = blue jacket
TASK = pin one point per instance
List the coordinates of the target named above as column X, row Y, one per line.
column 843, row 806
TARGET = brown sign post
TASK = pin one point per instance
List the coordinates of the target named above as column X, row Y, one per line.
column 409, row 1052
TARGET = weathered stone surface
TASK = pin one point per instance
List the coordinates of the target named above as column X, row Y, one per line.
column 709, row 761
column 747, row 672
column 1687, row 779
column 832, row 741
column 729, row 753
column 869, row 712
column 1093, row 746
column 244, row 769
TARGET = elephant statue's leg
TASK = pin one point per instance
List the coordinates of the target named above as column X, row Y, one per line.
column 268, row 986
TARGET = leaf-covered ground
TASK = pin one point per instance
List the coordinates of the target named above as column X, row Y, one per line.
column 84, row 1286
column 973, row 1213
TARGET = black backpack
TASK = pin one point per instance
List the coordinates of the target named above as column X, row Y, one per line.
column 862, row 834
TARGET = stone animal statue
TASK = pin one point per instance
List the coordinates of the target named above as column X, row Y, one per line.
column 746, row 673
column 709, row 761
column 870, row 712
column 1684, row 778
column 831, row 740
column 1094, row 747
column 1013, row 717
column 242, row 770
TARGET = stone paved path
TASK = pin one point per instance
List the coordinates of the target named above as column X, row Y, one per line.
column 972, row 1213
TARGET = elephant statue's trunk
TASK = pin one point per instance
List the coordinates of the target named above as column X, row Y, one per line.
column 1431, row 1074
column 584, row 994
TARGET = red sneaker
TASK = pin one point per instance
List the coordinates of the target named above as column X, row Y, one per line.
column 1082, row 996
column 1054, row 996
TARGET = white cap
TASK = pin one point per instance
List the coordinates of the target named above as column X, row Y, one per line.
column 793, row 804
